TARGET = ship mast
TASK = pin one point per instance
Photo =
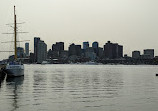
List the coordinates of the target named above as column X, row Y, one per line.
column 15, row 36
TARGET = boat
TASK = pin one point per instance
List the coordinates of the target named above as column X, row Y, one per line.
column 91, row 63
column 15, row 68
column 44, row 62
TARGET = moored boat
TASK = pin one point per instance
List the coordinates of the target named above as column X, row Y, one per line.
column 15, row 68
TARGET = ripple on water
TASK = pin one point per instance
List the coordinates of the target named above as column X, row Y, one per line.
column 81, row 88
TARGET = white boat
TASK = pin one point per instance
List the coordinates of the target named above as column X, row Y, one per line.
column 91, row 63
column 44, row 62
column 15, row 68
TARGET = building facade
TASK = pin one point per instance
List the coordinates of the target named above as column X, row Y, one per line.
column 36, row 40
column 85, row 45
column 149, row 52
column 41, row 52
column 113, row 50
column 27, row 49
column 59, row 46
column 95, row 46
column 89, row 53
column 74, row 50
column 136, row 54
column 20, row 52
column 57, row 49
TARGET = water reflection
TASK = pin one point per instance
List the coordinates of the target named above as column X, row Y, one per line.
column 2, row 79
column 58, row 81
column 39, row 80
column 14, row 87
column 39, row 86
column 15, row 81
column 81, row 88
column 95, row 84
column 112, row 83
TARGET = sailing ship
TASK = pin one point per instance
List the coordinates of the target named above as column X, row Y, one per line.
column 15, row 68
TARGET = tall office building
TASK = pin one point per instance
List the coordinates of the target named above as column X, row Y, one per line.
column 27, row 49
column 120, row 51
column 95, row 45
column 20, row 52
column 41, row 51
column 78, row 50
column 36, row 40
column 85, row 45
column 57, row 49
column 149, row 52
column 113, row 51
column 100, row 52
column 59, row 46
column 74, row 50
column 89, row 53
column 136, row 54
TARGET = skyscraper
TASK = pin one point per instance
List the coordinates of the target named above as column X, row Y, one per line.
column 74, row 50
column 57, row 49
column 27, row 49
column 36, row 40
column 149, row 52
column 59, row 46
column 85, row 45
column 136, row 54
column 95, row 45
column 113, row 50
column 20, row 52
column 41, row 51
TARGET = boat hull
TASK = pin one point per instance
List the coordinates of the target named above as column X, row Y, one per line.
column 14, row 70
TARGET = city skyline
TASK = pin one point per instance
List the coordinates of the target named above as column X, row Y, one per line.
column 130, row 23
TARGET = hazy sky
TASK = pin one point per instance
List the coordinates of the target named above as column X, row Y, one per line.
column 131, row 23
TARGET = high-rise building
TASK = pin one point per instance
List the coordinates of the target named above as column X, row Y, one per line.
column 57, row 49
column 41, row 51
column 100, row 52
column 85, row 45
column 95, row 45
column 31, row 57
column 78, row 50
column 89, row 53
column 20, row 52
column 36, row 40
column 27, row 49
column 113, row 51
column 149, row 52
column 74, row 50
column 108, row 47
column 59, row 46
column 120, row 51
column 136, row 54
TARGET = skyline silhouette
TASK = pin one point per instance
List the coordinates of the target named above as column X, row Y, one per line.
column 130, row 23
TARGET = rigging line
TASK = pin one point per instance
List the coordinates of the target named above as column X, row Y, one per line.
column 17, row 32
column 6, row 51
column 16, row 23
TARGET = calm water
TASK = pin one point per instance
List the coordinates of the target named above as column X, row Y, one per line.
column 81, row 88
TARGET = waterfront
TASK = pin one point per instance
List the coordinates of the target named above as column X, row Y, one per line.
column 82, row 88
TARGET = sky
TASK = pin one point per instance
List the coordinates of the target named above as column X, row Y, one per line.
column 131, row 23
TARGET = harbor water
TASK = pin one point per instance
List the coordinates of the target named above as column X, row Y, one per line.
column 81, row 88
